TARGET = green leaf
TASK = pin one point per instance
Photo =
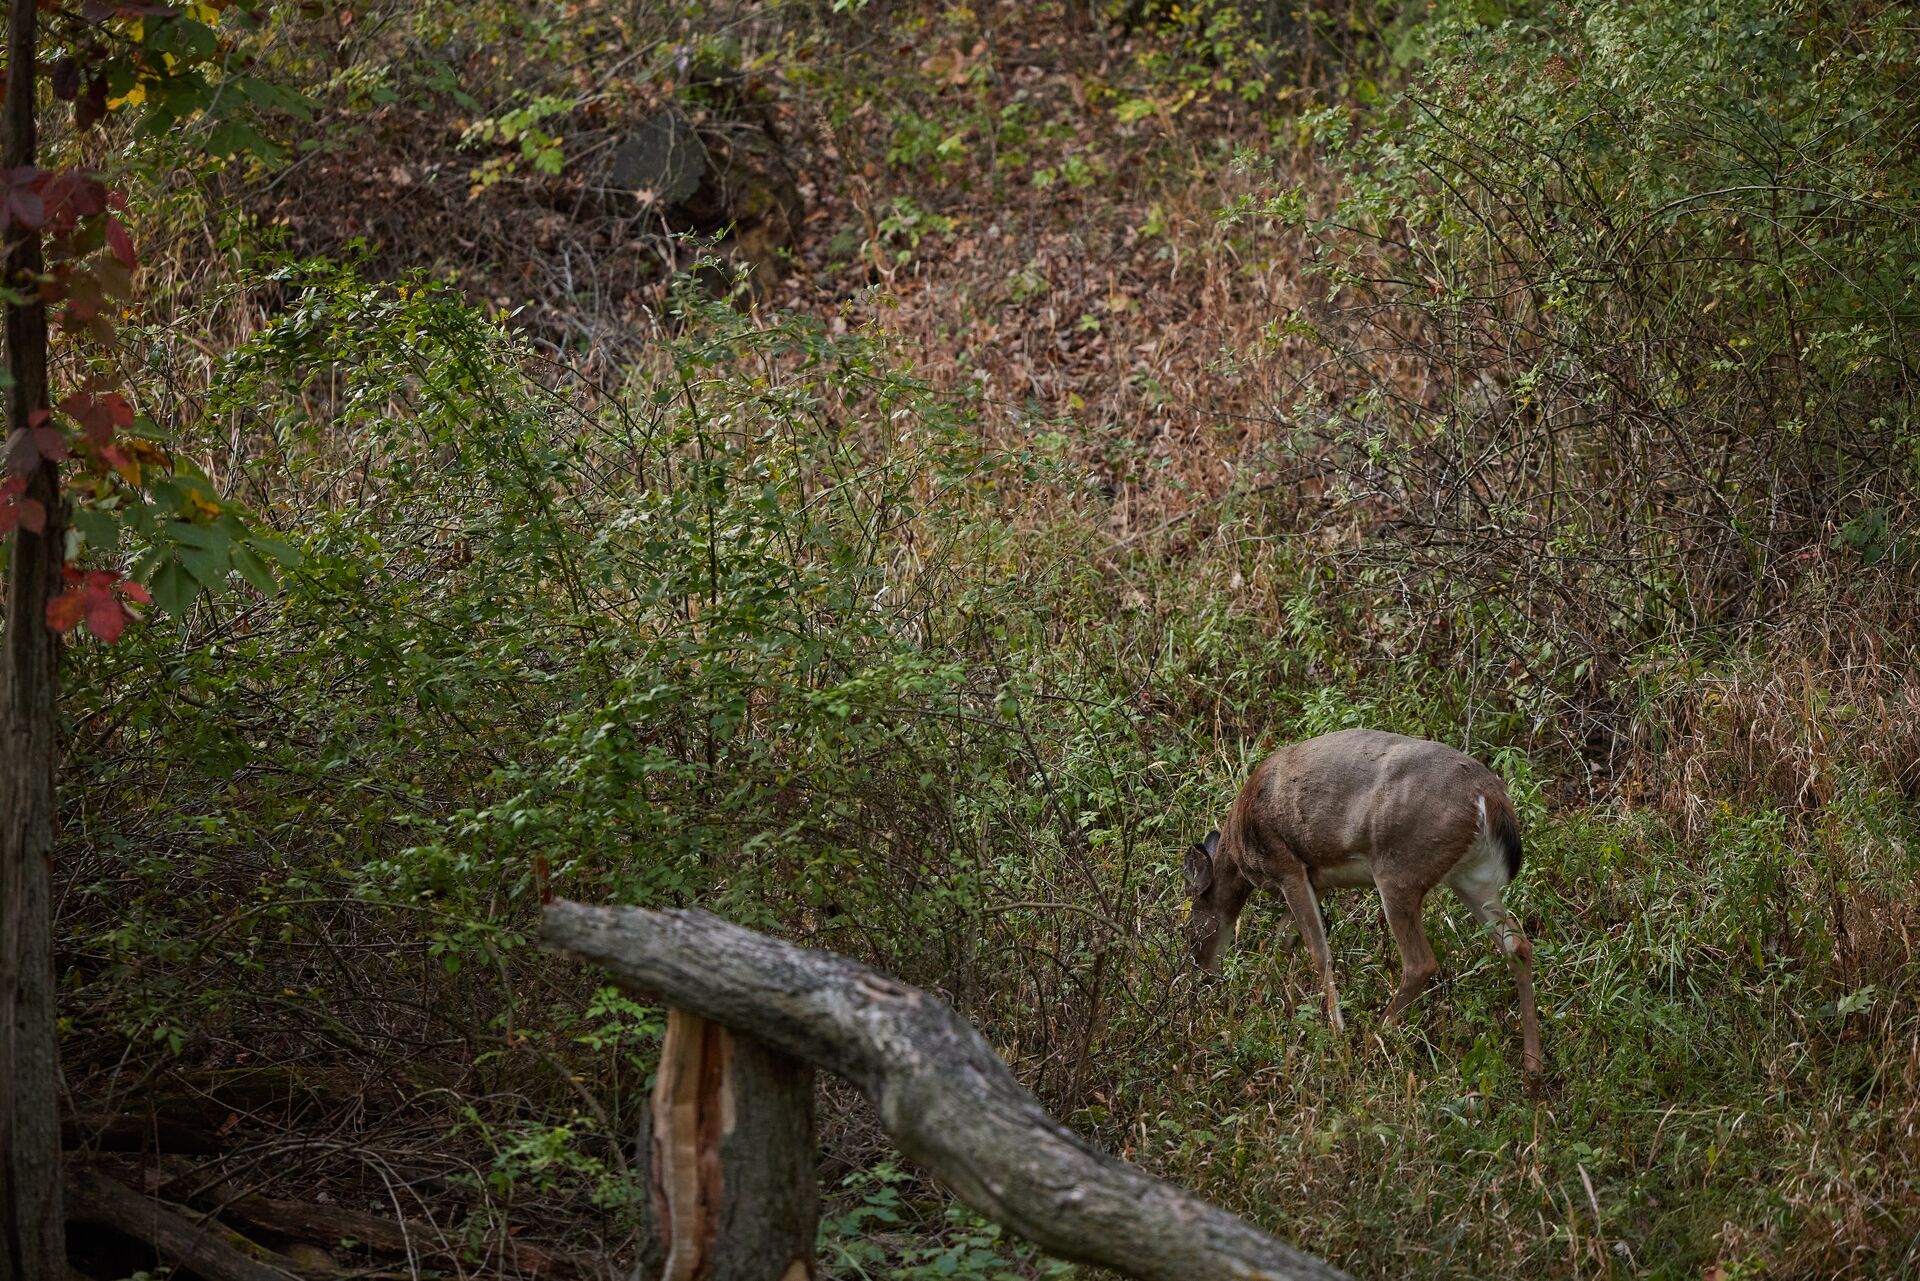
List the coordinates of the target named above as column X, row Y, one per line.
column 204, row 537
column 254, row 570
column 173, row 587
column 230, row 138
column 210, row 565
column 269, row 96
column 204, row 551
column 185, row 39
column 279, row 548
column 100, row 528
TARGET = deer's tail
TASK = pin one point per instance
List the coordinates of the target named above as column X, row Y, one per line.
column 1499, row 824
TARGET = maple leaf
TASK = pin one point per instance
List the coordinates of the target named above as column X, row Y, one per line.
column 66, row 610
column 50, row 441
column 106, row 616
column 65, row 78
column 91, row 107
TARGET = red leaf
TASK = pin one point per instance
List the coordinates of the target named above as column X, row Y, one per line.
column 66, row 609
column 51, row 443
column 98, row 415
column 121, row 243
column 26, row 207
column 91, row 108
column 65, row 78
column 106, row 616
column 134, row 591
column 68, row 196
column 22, row 454
column 93, row 597
column 101, row 10
column 72, row 195
column 116, row 458
column 18, row 509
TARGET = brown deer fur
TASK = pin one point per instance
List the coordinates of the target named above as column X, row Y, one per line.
column 1363, row 807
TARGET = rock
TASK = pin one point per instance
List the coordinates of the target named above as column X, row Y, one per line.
column 664, row 158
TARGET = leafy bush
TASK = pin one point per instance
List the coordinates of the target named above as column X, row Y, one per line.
column 1619, row 324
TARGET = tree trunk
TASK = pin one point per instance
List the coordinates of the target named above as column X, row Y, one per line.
column 32, row 1245
column 734, row 1190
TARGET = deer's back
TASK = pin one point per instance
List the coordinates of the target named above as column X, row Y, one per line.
column 1349, row 802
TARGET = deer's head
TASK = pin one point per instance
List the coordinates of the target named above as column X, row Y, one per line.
column 1209, row 922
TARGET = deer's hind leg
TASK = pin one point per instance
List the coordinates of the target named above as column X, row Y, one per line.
column 1481, row 894
column 1417, row 963
column 1305, row 910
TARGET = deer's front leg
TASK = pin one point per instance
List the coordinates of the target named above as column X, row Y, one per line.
column 1305, row 910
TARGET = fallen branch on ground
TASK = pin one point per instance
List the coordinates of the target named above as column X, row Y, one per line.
column 940, row 1090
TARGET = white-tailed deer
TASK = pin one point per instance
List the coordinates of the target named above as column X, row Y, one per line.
column 1362, row 807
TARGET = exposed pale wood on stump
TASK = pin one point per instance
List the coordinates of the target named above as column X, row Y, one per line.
column 732, row 1142
column 942, row 1094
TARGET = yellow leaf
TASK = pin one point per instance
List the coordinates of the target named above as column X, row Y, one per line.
column 198, row 505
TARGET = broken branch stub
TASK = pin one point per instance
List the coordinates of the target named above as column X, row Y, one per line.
column 940, row 1090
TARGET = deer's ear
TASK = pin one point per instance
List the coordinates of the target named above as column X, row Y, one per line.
column 1212, row 842
column 1199, row 870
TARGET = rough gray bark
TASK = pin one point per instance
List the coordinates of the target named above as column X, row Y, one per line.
column 941, row 1092
column 733, row 1152
column 31, row 1242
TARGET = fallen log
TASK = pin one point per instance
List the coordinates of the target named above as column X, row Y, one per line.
column 191, row 1243
column 324, row 1226
column 940, row 1090
column 291, row 1236
column 128, row 1131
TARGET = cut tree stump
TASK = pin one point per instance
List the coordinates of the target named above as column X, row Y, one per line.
column 734, row 1189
